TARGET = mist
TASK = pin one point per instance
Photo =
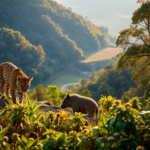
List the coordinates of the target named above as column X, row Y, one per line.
column 114, row 14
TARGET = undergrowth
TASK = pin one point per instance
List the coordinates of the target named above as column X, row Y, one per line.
column 119, row 127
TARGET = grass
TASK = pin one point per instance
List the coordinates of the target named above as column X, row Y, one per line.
column 64, row 79
column 107, row 53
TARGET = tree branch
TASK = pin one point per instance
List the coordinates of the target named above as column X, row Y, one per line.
column 145, row 22
column 148, row 27
column 144, row 41
column 144, row 68
column 143, row 26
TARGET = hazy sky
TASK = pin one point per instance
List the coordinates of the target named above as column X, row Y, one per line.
column 114, row 14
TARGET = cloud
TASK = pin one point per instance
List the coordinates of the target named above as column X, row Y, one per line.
column 125, row 16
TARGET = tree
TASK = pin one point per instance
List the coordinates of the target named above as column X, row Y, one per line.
column 93, row 76
column 84, row 82
column 135, row 42
column 142, row 1
column 39, row 93
column 86, row 93
column 54, row 94
column 32, row 95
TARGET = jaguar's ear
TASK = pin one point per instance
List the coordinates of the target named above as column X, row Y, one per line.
column 68, row 96
column 30, row 78
column 18, row 70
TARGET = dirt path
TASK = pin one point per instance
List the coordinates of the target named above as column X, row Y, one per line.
column 64, row 87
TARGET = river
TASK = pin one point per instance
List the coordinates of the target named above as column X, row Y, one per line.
column 64, row 87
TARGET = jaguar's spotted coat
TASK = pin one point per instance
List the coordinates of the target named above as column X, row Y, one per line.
column 12, row 77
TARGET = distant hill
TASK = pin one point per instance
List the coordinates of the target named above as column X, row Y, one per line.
column 64, row 36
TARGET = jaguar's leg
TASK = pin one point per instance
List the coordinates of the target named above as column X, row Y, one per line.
column 13, row 94
column 7, row 86
column 20, row 94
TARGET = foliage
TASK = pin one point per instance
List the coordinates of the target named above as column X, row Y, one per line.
column 135, row 103
column 84, row 82
column 4, row 139
column 119, row 127
column 51, row 94
column 93, row 76
column 39, row 93
column 147, row 102
column 106, row 103
column 86, row 93
column 55, row 95
column 107, row 82
column 135, row 42
column 133, row 92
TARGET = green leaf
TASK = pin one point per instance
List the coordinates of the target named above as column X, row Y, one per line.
column 3, row 131
column 18, row 104
column 10, row 101
column 36, row 118
column 122, row 124
column 62, row 139
column 131, row 117
column 121, row 140
column 99, row 140
column 28, row 102
column 24, row 139
column 34, row 110
column 15, row 117
column 34, row 104
column 104, row 120
column 112, row 123
column 34, row 143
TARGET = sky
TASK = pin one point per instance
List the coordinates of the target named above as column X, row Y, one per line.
column 114, row 14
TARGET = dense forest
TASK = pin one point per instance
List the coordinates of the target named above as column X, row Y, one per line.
column 64, row 36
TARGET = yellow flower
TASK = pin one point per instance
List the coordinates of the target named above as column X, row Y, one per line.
column 101, row 100
column 109, row 98
column 63, row 115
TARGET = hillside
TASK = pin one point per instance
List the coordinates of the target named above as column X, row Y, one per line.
column 107, row 53
column 108, row 81
column 65, row 36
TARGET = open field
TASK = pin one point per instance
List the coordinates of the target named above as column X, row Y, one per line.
column 64, row 79
column 107, row 53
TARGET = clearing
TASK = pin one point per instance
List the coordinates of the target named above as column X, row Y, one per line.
column 106, row 53
column 64, row 79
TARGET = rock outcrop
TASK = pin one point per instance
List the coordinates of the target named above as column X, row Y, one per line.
column 46, row 106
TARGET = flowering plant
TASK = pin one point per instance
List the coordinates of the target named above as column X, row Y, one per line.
column 106, row 103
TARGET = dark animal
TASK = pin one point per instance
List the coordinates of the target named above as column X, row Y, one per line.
column 81, row 104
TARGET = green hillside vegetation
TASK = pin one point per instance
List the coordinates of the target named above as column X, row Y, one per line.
column 107, row 82
column 15, row 48
column 65, row 36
